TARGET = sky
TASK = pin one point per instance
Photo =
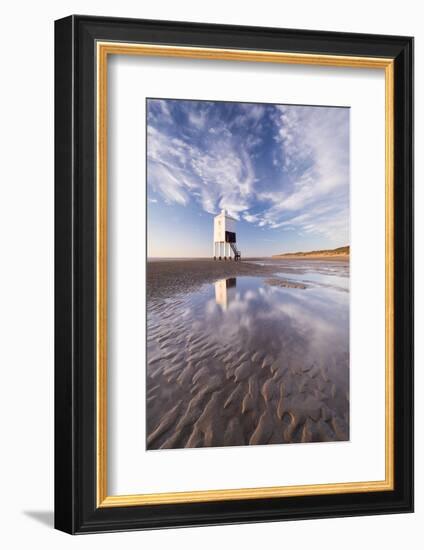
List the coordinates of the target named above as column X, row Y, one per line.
column 282, row 171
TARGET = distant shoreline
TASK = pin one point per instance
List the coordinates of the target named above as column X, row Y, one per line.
column 332, row 257
column 322, row 257
column 341, row 253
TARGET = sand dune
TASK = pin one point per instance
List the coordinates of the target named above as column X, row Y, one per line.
column 341, row 253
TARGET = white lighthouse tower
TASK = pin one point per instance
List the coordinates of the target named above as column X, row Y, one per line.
column 224, row 238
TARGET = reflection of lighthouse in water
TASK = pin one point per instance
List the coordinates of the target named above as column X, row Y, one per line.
column 225, row 291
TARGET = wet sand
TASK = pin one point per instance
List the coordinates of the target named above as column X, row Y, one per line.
column 167, row 277
column 240, row 354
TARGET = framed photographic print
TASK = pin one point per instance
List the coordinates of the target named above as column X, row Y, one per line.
column 234, row 274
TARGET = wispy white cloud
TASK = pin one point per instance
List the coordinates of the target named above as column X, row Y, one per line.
column 198, row 120
column 279, row 167
column 251, row 218
column 220, row 176
column 314, row 159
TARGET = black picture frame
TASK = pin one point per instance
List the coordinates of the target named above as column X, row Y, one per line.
column 76, row 510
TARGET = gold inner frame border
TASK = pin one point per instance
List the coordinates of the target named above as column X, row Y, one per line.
column 103, row 50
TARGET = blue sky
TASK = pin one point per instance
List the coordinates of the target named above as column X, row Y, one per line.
column 281, row 170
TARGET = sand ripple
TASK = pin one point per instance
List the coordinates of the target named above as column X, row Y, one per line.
column 244, row 381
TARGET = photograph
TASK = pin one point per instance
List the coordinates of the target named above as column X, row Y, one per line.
column 233, row 272
column 248, row 251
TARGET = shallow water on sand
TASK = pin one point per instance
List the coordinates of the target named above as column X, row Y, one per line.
column 251, row 360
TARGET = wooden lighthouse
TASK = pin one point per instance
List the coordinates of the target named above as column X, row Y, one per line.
column 224, row 238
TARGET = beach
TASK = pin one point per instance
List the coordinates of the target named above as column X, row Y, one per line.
column 247, row 353
column 322, row 257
